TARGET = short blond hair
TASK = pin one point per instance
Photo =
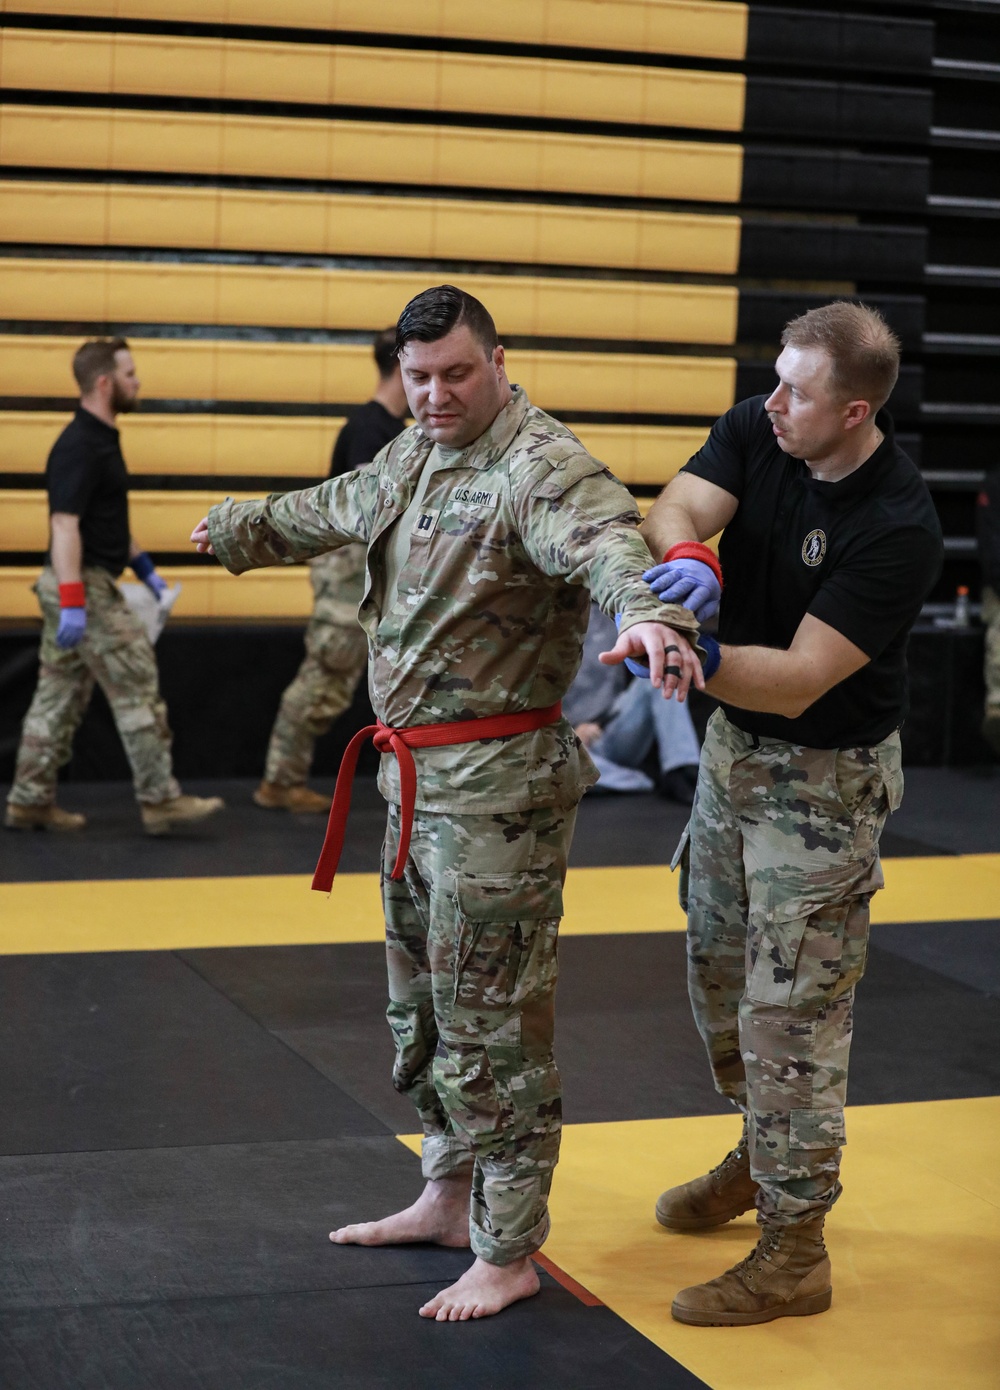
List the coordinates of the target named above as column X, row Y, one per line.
column 863, row 350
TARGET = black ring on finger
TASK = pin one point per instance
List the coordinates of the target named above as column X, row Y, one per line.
column 671, row 648
column 673, row 671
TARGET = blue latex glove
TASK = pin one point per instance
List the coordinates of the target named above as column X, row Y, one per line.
column 638, row 668
column 72, row 626
column 144, row 569
column 688, row 582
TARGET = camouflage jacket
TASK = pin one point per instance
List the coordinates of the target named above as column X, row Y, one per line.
column 338, row 584
column 515, row 533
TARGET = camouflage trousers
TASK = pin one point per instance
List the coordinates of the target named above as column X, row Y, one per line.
column 776, row 881
column 324, row 686
column 991, row 617
column 116, row 653
column 471, row 937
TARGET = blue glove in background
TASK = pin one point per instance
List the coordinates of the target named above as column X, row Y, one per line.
column 144, row 569
column 72, row 626
column 688, row 582
column 638, row 668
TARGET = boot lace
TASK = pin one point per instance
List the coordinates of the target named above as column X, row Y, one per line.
column 731, row 1160
column 753, row 1265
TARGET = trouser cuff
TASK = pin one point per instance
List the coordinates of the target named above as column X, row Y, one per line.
column 442, row 1157
column 501, row 1251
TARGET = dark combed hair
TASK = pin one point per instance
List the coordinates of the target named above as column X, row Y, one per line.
column 863, row 350
column 385, row 351
column 434, row 313
column 96, row 358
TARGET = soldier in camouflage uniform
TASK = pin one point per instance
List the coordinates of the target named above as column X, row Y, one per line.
column 89, row 633
column 336, row 646
column 830, row 544
column 485, row 526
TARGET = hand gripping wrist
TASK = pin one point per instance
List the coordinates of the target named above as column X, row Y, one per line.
column 72, row 595
column 694, row 550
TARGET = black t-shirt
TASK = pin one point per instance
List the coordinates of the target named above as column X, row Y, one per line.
column 860, row 554
column 365, row 431
column 86, row 476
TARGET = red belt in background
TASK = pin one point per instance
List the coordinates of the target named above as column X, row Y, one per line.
column 399, row 742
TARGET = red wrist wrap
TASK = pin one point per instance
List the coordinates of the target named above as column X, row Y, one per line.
column 694, row 550
column 72, row 596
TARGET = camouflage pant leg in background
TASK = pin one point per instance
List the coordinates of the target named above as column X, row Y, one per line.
column 335, row 661
column 115, row 652
column 471, row 937
column 991, row 617
column 783, row 862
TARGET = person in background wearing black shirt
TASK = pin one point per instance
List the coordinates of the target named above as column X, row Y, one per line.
column 336, row 646
column 89, row 633
column 830, row 543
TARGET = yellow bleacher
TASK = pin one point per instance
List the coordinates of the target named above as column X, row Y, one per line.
column 237, row 219
column 341, row 373
column 526, row 306
column 170, row 142
column 687, row 28
column 103, row 194
column 400, row 78
column 299, row 446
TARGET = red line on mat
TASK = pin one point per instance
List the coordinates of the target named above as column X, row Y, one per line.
column 561, row 1277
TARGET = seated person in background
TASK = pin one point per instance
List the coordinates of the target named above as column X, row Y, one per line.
column 988, row 532
column 619, row 722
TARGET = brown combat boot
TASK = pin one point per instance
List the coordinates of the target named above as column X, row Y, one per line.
column 50, row 817
column 713, row 1199
column 161, row 817
column 787, row 1275
column 298, row 798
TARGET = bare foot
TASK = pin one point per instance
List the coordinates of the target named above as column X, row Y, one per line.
column 440, row 1215
column 482, row 1290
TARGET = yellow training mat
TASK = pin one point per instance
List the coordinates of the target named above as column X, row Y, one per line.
column 369, row 152
column 353, row 75
column 525, row 305
column 346, row 224
column 689, row 28
column 300, row 445
column 281, row 909
column 915, row 1245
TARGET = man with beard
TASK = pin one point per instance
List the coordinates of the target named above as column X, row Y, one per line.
column 89, row 633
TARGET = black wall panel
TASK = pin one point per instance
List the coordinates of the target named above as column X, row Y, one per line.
column 838, row 111
column 881, row 43
column 836, row 180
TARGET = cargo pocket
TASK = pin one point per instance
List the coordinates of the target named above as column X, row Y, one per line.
column 682, row 860
column 814, row 947
column 505, row 939
column 811, row 1135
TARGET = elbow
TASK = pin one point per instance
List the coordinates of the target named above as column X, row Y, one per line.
column 796, row 702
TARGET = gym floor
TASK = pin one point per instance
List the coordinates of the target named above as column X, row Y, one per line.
column 196, row 1090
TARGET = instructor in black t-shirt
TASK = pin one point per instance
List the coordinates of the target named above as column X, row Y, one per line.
column 336, row 646
column 830, row 543
column 89, row 633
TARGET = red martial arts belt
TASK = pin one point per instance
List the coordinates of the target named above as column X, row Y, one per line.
column 399, row 742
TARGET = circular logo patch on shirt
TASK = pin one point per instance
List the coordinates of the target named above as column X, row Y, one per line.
column 814, row 548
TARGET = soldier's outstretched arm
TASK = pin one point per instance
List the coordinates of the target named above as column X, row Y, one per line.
column 288, row 527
